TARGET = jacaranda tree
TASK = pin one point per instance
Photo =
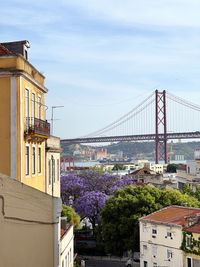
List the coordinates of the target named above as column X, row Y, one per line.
column 89, row 191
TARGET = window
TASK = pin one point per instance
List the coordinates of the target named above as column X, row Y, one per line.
column 70, row 255
column 169, row 233
column 33, row 105
column 63, row 264
column 49, row 163
column 39, row 159
column 144, row 250
column 154, row 231
column 58, row 169
column 53, row 170
column 39, row 107
column 27, row 108
column 68, row 258
column 33, row 160
column 155, row 264
column 145, row 264
column 189, row 262
column 154, row 251
column 188, row 240
column 27, row 159
column 65, row 261
column 145, row 229
column 169, row 254
column 26, row 103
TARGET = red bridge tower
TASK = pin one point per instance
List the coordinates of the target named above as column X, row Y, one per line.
column 161, row 126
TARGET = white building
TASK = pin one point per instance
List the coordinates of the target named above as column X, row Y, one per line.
column 161, row 237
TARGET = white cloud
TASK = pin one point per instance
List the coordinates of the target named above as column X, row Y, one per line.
column 146, row 12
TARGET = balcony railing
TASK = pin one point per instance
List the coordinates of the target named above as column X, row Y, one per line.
column 37, row 127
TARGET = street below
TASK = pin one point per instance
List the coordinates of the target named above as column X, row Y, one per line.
column 103, row 263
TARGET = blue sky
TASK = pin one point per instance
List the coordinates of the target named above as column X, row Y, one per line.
column 101, row 58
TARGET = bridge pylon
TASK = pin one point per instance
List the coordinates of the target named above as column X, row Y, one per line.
column 161, row 126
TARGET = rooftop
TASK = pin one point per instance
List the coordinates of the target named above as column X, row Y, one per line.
column 143, row 171
column 194, row 228
column 172, row 215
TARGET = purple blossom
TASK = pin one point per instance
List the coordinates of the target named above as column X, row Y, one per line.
column 90, row 191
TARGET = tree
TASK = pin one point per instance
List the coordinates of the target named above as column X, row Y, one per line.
column 71, row 215
column 172, row 167
column 121, row 212
column 118, row 167
column 90, row 191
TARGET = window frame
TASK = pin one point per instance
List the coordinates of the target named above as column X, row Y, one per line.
column 169, row 254
column 58, row 169
column 27, row 160
column 33, row 160
column 187, row 261
column 39, row 107
column 49, row 169
column 39, row 159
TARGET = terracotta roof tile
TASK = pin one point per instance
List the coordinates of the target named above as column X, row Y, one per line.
column 4, row 51
column 142, row 171
column 194, row 229
column 172, row 215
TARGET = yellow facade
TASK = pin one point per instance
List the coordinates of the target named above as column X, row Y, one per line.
column 17, row 75
column 193, row 258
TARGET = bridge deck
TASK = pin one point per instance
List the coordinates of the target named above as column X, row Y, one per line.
column 144, row 137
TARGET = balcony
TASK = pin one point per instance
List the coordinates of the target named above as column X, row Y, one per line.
column 36, row 129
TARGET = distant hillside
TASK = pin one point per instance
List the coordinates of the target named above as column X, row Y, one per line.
column 136, row 149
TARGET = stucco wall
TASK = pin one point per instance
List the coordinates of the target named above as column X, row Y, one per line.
column 26, row 225
column 5, row 125
column 162, row 242
column 67, row 248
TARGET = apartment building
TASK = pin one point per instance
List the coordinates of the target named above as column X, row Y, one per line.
column 161, row 236
column 22, row 116
column 29, row 155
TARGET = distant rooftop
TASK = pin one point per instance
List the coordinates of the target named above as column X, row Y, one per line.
column 17, row 47
column 172, row 215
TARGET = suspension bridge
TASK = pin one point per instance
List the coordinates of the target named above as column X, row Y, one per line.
column 159, row 117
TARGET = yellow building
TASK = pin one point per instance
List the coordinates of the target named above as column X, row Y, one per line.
column 191, row 243
column 24, row 128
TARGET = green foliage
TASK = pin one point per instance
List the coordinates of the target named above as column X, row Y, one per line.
column 194, row 247
column 120, row 215
column 118, row 167
column 187, row 190
column 71, row 214
column 172, row 167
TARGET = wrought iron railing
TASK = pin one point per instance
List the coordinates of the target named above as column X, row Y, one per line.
column 37, row 126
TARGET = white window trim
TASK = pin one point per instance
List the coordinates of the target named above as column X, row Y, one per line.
column 33, row 92
column 39, row 173
column 33, row 174
column 49, row 159
column 39, row 96
column 191, row 261
column 27, row 175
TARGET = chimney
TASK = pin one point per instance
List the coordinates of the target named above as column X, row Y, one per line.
column 191, row 220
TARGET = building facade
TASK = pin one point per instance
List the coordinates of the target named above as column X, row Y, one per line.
column 161, row 236
column 30, row 225
column 22, row 116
